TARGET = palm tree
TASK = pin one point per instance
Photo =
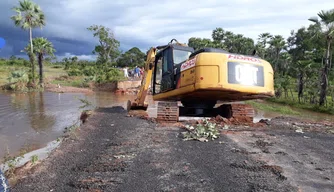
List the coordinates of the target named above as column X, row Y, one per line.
column 278, row 43
column 262, row 43
column 28, row 16
column 42, row 47
column 326, row 23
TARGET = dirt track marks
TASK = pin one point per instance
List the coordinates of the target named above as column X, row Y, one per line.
column 305, row 159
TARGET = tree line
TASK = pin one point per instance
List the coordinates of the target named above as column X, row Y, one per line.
column 29, row 15
column 302, row 63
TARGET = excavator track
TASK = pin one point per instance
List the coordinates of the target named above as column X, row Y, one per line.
column 242, row 111
column 168, row 112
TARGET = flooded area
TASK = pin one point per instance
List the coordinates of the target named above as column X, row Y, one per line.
column 30, row 121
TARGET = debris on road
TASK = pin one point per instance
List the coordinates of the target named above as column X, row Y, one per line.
column 204, row 132
column 299, row 130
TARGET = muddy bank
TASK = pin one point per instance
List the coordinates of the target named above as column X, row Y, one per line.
column 104, row 87
column 115, row 152
column 66, row 89
column 123, row 87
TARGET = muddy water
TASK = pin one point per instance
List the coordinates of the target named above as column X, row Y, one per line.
column 29, row 121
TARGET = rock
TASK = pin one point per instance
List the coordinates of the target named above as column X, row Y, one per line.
column 265, row 121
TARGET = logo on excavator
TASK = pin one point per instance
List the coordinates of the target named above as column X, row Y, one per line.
column 246, row 75
column 243, row 58
column 188, row 64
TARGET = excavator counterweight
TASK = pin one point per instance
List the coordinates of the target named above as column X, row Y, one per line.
column 202, row 79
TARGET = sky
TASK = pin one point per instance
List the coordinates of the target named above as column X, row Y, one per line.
column 147, row 23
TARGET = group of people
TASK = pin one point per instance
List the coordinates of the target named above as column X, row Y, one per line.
column 137, row 72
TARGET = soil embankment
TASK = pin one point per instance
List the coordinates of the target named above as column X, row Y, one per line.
column 121, row 87
column 114, row 152
column 66, row 89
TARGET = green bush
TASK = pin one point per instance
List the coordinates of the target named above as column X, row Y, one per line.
column 89, row 71
column 57, row 66
column 74, row 72
column 18, row 75
column 19, row 78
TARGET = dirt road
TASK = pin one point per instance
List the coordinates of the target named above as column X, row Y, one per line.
column 112, row 152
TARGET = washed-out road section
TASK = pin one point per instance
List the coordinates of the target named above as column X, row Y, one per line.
column 113, row 152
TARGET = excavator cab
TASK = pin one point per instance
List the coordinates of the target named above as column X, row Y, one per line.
column 167, row 67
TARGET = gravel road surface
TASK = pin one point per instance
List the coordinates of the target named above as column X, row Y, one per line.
column 113, row 152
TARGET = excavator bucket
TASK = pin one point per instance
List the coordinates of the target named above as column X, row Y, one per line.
column 135, row 106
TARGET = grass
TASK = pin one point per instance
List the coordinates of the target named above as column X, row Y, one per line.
column 75, row 81
column 53, row 71
column 285, row 110
column 307, row 106
column 49, row 71
column 5, row 71
column 292, row 100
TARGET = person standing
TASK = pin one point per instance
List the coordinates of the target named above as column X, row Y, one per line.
column 137, row 71
column 126, row 74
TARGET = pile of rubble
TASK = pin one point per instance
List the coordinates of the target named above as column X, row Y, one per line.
column 239, row 120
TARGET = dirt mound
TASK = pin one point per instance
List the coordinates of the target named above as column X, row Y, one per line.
column 238, row 120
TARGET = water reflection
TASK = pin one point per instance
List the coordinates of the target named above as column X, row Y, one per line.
column 31, row 120
column 40, row 119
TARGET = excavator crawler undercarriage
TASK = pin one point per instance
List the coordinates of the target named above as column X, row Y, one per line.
column 169, row 112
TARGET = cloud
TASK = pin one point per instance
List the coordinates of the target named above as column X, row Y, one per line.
column 80, row 57
column 149, row 23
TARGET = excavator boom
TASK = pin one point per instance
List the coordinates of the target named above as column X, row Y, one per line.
column 139, row 102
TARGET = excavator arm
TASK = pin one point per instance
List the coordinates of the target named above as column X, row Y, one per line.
column 139, row 102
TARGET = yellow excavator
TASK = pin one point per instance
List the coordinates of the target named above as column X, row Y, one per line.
column 200, row 80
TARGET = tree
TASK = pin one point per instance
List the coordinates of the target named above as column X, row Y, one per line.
column 108, row 48
column 132, row 57
column 277, row 44
column 262, row 44
column 198, row 43
column 28, row 16
column 327, row 22
column 42, row 48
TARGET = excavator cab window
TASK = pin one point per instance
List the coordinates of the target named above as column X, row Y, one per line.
column 167, row 70
column 156, row 81
column 179, row 56
column 163, row 72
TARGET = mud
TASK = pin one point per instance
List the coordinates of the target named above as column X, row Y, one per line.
column 113, row 151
